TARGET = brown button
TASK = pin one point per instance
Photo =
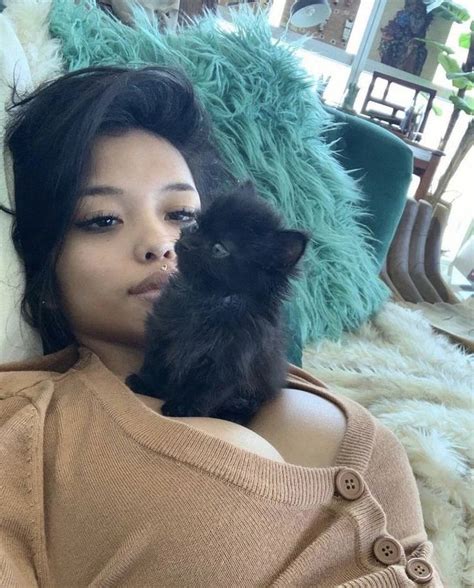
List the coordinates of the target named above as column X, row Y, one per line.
column 387, row 550
column 349, row 484
column 419, row 570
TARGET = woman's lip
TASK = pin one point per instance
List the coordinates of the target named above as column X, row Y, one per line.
column 154, row 281
column 149, row 295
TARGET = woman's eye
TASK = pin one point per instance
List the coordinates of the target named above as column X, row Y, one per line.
column 183, row 215
column 218, row 250
column 101, row 222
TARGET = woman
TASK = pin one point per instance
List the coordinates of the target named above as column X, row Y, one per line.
column 98, row 487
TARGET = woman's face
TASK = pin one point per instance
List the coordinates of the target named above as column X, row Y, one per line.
column 143, row 190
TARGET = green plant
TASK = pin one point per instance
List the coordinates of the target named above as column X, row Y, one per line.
column 462, row 79
column 461, row 76
column 447, row 9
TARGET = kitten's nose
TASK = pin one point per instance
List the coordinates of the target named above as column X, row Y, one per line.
column 180, row 245
column 187, row 240
column 189, row 229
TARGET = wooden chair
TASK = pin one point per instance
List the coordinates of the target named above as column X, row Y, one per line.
column 397, row 115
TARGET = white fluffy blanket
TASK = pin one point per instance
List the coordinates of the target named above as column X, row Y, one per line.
column 28, row 56
column 420, row 385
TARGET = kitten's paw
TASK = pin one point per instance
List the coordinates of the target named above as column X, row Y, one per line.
column 235, row 416
column 135, row 383
column 173, row 408
column 140, row 386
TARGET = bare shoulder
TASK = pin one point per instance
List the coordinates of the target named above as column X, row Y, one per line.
column 306, row 429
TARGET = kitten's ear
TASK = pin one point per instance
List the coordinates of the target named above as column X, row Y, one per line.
column 248, row 188
column 289, row 247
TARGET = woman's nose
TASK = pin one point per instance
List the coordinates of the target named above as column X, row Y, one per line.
column 169, row 254
column 157, row 251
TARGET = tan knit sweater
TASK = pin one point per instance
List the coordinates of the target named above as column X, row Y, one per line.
column 98, row 490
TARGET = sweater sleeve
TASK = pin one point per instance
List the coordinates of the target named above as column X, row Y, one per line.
column 21, row 553
column 393, row 484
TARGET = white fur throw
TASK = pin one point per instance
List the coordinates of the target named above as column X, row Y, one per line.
column 420, row 385
column 28, row 56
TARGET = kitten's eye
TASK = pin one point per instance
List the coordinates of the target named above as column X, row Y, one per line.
column 218, row 250
column 193, row 228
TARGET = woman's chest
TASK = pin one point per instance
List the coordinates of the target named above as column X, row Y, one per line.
column 296, row 427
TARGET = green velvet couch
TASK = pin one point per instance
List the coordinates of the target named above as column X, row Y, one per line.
column 383, row 165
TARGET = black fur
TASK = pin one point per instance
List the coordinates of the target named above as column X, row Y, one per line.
column 215, row 341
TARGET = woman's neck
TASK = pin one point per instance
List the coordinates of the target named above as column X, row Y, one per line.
column 121, row 359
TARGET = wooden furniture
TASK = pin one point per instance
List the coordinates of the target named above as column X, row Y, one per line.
column 187, row 8
column 425, row 162
column 191, row 8
column 397, row 117
column 425, row 159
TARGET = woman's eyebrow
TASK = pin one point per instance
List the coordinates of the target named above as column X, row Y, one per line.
column 111, row 191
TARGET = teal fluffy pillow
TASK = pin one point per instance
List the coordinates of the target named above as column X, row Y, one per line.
column 268, row 124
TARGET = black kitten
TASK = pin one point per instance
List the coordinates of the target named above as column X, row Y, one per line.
column 216, row 345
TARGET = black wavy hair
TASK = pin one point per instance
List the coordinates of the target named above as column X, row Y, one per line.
column 50, row 135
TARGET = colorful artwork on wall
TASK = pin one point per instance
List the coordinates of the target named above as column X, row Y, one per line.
column 399, row 46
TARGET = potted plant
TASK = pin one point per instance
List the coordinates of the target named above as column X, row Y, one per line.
column 462, row 79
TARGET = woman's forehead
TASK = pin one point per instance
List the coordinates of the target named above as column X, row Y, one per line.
column 137, row 163
column 137, row 154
